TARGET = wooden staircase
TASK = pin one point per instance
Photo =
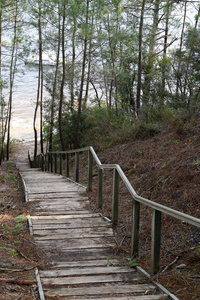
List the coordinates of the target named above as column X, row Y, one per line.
column 80, row 244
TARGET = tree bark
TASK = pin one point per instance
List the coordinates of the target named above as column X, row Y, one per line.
column 151, row 55
column 62, row 82
column 12, row 76
column 139, row 83
column 76, row 139
column 55, row 85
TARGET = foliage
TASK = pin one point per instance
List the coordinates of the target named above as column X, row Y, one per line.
column 95, row 94
column 20, row 219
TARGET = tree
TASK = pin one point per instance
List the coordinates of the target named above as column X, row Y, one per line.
column 139, row 82
column 16, row 40
column 85, row 45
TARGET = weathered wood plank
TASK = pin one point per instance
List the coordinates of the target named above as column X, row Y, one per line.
column 70, row 244
column 86, row 271
column 59, row 200
column 83, row 254
column 142, row 297
column 73, row 233
column 59, row 212
column 61, row 195
column 64, row 217
column 88, row 263
column 87, row 230
column 71, row 223
column 93, row 279
column 101, row 290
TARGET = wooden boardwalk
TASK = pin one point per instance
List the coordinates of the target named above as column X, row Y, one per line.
column 80, row 244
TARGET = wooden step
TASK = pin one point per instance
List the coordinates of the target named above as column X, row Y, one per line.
column 75, row 280
column 101, row 290
column 80, row 243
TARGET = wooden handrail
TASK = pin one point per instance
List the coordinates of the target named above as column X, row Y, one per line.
column 157, row 208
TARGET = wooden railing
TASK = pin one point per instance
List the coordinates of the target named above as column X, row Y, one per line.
column 49, row 162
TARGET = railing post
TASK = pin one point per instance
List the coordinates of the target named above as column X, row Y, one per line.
column 90, row 165
column 67, row 165
column 48, row 156
column 77, row 167
column 135, row 229
column 45, row 162
column 51, row 161
column 115, row 197
column 42, row 162
column 55, row 156
column 155, row 241
column 60, row 163
column 100, row 188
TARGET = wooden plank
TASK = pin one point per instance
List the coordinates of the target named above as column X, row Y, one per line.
column 58, row 212
column 67, row 225
column 142, row 297
column 86, row 271
column 101, row 290
column 71, row 223
column 60, row 200
column 93, row 279
column 88, row 263
column 60, row 203
column 65, row 203
column 69, row 244
column 65, row 217
column 74, row 233
column 45, row 190
column 83, row 254
column 62, row 196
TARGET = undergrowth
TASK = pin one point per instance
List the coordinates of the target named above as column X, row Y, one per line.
column 102, row 128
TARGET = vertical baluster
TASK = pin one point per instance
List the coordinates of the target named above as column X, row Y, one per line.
column 135, row 228
column 90, row 165
column 51, row 160
column 48, row 157
column 155, row 241
column 115, row 197
column 45, row 162
column 67, row 165
column 55, row 157
column 77, row 167
column 60, row 163
column 100, row 188
column 42, row 161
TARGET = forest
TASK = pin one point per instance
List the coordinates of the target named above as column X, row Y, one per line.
column 113, row 66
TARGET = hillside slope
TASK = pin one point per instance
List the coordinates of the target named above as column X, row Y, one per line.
column 166, row 169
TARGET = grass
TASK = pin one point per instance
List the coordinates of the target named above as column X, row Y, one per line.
column 20, row 219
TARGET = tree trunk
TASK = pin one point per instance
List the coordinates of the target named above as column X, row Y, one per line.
column 41, row 74
column 73, row 64
column 55, row 85
column 62, row 83
column 76, row 139
column 139, row 83
column 89, row 59
column 12, row 76
column 162, row 96
column 178, row 80
column 151, row 56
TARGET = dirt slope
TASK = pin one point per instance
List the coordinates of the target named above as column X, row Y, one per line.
column 166, row 169
column 19, row 255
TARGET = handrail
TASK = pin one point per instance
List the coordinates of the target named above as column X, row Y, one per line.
column 169, row 211
column 43, row 160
